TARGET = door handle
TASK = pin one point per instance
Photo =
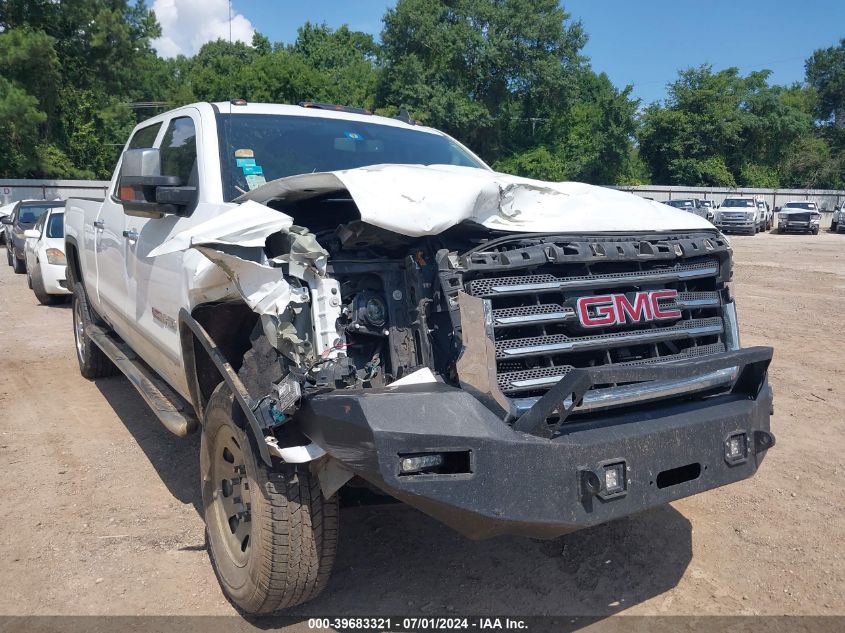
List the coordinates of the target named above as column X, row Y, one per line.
column 99, row 224
column 131, row 235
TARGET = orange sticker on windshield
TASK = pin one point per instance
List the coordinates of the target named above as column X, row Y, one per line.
column 244, row 153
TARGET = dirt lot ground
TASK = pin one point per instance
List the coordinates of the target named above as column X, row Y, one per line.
column 101, row 504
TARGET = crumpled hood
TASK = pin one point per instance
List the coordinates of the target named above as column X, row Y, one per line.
column 416, row 200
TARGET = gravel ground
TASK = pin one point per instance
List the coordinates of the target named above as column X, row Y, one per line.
column 102, row 504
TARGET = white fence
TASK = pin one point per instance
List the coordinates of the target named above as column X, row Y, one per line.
column 14, row 189
column 827, row 199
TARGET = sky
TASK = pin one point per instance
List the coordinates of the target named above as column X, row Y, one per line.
column 642, row 42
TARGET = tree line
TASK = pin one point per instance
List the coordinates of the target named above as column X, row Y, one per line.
column 506, row 77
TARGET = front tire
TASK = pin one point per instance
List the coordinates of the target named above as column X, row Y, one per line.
column 36, row 282
column 18, row 265
column 272, row 535
column 93, row 363
column 9, row 254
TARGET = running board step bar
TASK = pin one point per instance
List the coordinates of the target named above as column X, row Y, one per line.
column 172, row 411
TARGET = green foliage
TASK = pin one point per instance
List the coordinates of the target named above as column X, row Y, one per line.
column 506, row 77
column 723, row 129
column 810, row 164
column 482, row 70
column 761, row 176
column 826, row 74
column 707, row 172
column 20, row 119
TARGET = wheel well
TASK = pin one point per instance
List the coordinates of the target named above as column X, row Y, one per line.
column 74, row 270
column 230, row 326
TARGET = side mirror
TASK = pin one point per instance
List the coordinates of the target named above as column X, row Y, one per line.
column 144, row 192
column 6, row 219
column 32, row 234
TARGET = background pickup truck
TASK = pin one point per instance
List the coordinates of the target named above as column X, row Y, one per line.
column 335, row 298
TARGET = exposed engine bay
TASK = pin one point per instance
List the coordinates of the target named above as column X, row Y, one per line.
column 393, row 318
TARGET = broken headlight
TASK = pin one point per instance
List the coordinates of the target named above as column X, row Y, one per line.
column 368, row 313
column 375, row 312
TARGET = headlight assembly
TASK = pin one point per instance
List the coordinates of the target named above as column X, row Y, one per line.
column 55, row 256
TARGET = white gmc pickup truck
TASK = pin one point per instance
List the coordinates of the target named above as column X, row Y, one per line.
column 340, row 299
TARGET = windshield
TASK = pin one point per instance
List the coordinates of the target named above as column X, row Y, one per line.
column 680, row 203
column 805, row 206
column 257, row 148
column 738, row 202
column 29, row 214
column 56, row 225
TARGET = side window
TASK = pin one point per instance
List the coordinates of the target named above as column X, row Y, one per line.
column 145, row 137
column 179, row 151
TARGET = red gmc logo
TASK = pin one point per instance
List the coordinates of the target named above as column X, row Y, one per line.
column 618, row 310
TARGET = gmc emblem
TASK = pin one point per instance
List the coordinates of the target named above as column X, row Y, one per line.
column 618, row 310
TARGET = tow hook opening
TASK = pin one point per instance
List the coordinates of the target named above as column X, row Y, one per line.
column 435, row 463
column 679, row 475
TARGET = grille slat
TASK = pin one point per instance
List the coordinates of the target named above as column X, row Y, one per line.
column 513, row 382
column 557, row 343
column 531, row 284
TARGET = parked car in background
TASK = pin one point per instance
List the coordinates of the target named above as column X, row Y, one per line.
column 5, row 211
column 45, row 257
column 838, row 218
column 739, row 215
column 710, row 207
column 800, row 215
column 690, row 205
column 768, row 216
column 24, row 217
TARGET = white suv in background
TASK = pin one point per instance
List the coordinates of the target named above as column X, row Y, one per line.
column 799, row 215
column 740, row 215
column 837, row 222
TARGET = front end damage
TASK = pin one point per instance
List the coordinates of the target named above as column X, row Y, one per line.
column 471, row 371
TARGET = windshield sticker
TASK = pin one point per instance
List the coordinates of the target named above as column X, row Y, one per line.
column 354, row 136
column 255, row 180
column 252, row 170
column 244, row 153
column 245, row 161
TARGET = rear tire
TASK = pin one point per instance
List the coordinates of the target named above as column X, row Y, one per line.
column 93, row 363
column 9, row 254
column 272, row 536
column 18, row 265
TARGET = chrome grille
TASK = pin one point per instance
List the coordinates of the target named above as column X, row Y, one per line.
column 537, row 334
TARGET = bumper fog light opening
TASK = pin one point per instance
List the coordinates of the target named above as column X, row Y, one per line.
column 736, row 448
column 614, row 479
column 414, row 464
column 607, row 481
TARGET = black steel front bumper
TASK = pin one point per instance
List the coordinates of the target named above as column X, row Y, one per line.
column 519, row 482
